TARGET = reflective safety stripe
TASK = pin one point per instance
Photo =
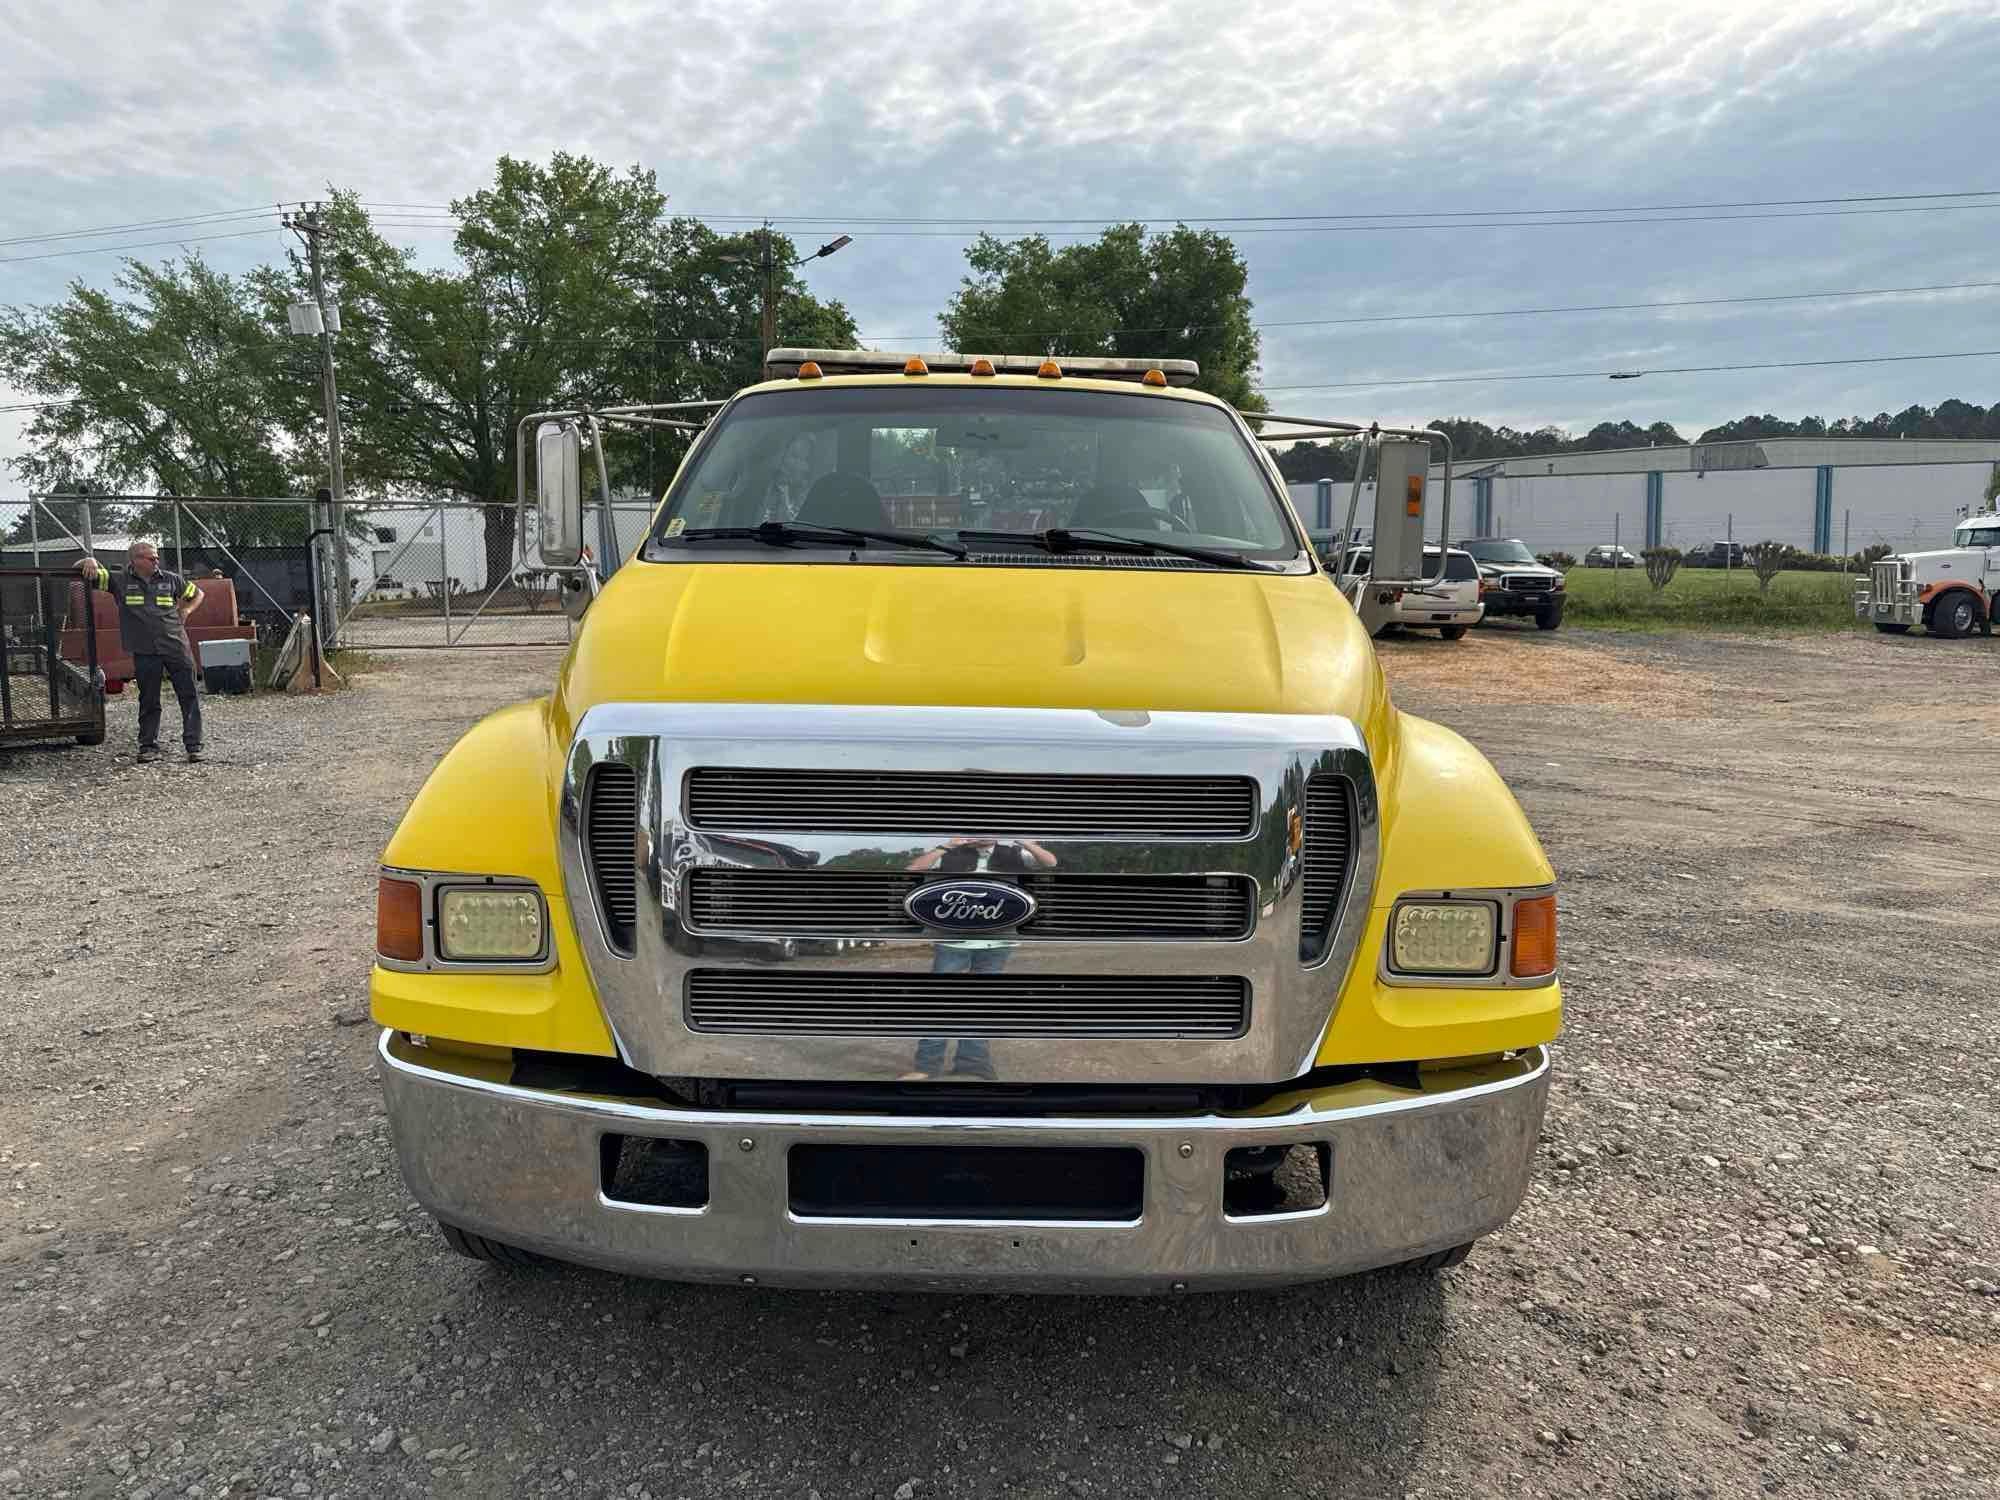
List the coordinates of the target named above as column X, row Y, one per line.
column 189, row 592
column 135, row 598
column 165, row 601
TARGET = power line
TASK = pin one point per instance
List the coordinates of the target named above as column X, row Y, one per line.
column 217, row 216
column 1834, row 213
column 1475, row 213
column 185, row 239
column 1306, row 223
column 1504, row 312
column 911, row 339
column 1505, row 377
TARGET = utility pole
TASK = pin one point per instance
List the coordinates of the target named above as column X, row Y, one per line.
column 770, row 265
column 310, row 227
column 770, row 298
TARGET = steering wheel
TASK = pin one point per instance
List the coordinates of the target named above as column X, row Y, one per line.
column 1136, row 515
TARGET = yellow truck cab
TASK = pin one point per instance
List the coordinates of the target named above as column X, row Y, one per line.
column 969, row 844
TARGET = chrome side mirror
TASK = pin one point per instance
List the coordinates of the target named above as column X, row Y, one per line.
column 559, row 494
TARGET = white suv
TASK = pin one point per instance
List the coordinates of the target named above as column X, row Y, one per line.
column 1450, row 608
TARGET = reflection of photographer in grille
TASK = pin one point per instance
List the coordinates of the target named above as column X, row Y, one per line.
column 973, row 856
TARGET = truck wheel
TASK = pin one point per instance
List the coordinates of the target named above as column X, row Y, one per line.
column 1548, row 619
column 1892, row 629
column 478, row 1247
column 1452, row 632
column 91, row 737
column 1424, row 1265
column 1955, row 616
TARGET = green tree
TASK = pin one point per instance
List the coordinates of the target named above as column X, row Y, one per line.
column 1174, row 295
column 167, row 382
column 438, row 366
column 699, row 331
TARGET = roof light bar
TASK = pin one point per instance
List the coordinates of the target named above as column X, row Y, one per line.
column 785, row 363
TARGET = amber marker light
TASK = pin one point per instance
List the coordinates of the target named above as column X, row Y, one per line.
column 1534, row 937
column 399, row 919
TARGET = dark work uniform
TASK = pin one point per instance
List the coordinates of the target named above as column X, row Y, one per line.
column 149, row 623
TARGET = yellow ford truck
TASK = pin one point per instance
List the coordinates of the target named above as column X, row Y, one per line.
column 969, row 845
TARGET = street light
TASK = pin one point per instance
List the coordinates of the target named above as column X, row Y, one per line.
column 771, row 268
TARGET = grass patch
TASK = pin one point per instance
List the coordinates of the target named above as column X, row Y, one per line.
column 1711, row 599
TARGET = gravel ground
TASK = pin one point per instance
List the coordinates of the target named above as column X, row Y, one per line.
column 1760, row 1255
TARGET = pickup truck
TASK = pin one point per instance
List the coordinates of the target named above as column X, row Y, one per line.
column 1714, row 555
column 1042, row 895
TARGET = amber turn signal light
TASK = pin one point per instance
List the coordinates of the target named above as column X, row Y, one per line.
column 809, row 370
column 1413, row 496
column 915, row 365
column 1155, row 378
column 981, row 367
column 399, row 919
column 1050, row 370
column 1534, row 937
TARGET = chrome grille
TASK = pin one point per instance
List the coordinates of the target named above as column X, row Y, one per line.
column 611, row 838
column 967, row 1005
column 1530, row 583
column 1888, row 579
column 754, row 799
column 868, row 903
column 1328, row 852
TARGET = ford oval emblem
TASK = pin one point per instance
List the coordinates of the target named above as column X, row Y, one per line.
column 969, row 905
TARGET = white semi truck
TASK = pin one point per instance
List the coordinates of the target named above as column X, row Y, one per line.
column 1952, row 592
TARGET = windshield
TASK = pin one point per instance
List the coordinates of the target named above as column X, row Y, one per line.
column 947, row 459
column 1976, row 536
column 1501, row 552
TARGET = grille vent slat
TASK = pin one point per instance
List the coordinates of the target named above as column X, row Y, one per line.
column 611, row 838
column 1326, row 858
column 968, row 1005
column 758, row 799
column 856, row 903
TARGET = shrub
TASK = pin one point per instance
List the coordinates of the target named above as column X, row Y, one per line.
column 1768, row 559
column 1562, row 562
column 1661, row 565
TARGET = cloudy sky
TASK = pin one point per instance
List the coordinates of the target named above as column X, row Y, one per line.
column 1015, row 114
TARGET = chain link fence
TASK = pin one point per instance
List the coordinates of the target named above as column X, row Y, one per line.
column 404, row 575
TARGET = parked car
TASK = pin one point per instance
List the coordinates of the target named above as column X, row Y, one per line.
column 1610, row 557
column 1451, row 608
column 1714, row 555
column 1512, row 582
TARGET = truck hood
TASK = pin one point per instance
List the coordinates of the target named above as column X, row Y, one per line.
column 973, row 635
column 1967, row 561
column 1529, row 570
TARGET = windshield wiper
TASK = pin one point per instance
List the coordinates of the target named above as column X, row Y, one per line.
column 1057, row 540
column 792, row 533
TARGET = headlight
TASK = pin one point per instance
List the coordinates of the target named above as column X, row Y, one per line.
column 1444, row 937
column 485, row 923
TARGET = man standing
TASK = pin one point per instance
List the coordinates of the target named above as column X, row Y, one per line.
column 153, row 606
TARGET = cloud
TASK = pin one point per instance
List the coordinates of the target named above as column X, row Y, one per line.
column 1031, row 109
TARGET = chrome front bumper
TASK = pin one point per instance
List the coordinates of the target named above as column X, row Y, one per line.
column 1411, row 1172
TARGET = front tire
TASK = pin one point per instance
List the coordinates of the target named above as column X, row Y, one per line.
column 1549, row 619
column 1892, row 629
column 478, row 1247
column 1429, row 1265
column 1452, row 632
column 1955, row 616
